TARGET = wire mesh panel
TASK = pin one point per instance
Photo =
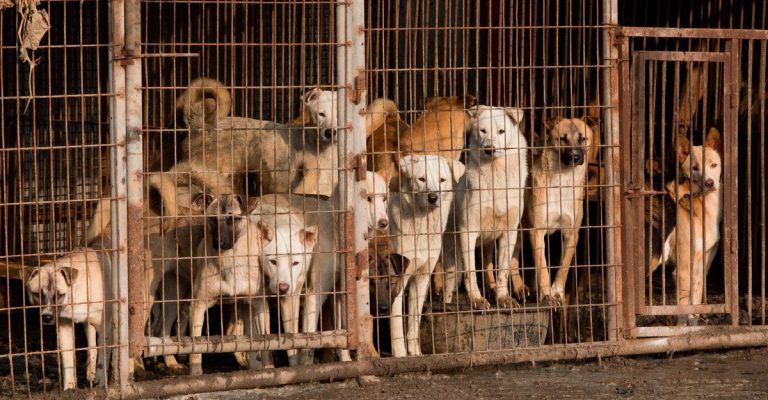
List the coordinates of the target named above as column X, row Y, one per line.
column 243, row 219
column 493, row 134
column 55, row 163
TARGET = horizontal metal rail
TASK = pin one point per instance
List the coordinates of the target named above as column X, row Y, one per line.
column 157, row 346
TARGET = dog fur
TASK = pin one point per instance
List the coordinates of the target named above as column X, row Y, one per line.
column 692, row 244
column 71, row 290
column 488, row 205
column 383, row 140
column 441, row 129
column 418, row 215
column 555, row 201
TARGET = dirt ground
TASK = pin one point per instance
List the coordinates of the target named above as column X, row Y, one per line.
column 741, row 374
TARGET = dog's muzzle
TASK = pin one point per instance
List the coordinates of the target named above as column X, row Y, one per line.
column 47, row 319
column 382, row 223
column 433, row 199
column 709, row 184
column 328, row 135
column 283, row 287
column 573, row 157
column 489, row 150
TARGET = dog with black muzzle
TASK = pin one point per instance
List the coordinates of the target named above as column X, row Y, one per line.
column 71, row 290
column 554, row 201
column 228, row 265
column 418, row 215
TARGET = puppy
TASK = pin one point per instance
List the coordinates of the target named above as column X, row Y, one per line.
column 71, row 290
column 228, row 264
column 287, row 259
column 441, row 129
column 325, row 274
column 692, row 244
column 488, row 204
column 418, row 215
column 555, row 200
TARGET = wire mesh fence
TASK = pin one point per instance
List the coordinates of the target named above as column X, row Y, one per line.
column 204, row 186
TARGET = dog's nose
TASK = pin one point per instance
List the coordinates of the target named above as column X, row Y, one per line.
column 283, row 287
column 432, row 197
column 383, row 223
column 489, row 150
column 709, row 183
column 577, row 158
column 47, row 319
column 329, row 134
column 383, row 309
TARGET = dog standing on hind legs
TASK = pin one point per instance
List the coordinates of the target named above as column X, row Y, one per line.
column 555, row 201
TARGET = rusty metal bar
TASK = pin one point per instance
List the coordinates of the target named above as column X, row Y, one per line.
column 350, row 23
column 610, row 94
column 157, row 346
column 135, row 181
column 696, row 33
column 118, row 325
column 701, row 56
column 684, row 309
column 714, row 338
column 730, row 180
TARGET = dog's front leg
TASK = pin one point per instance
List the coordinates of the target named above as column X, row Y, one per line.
column 417, row 295
column 396, row 329
column 467, row 248
column 506, row 249
column 93, row 353
column 448, row 262
column 261, row 311
column 570, row 239
column 196, row 318
column 340, row 324
column 542, row 271
column 66, row 339
column 289, row 311
column 312, row 302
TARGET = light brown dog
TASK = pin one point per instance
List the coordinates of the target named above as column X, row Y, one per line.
column 441, row 129
column 385, row 128
column 554, row 201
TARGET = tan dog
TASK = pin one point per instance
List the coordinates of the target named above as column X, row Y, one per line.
column 440, row 130
column 555, row 200
column 692, row 244
column 383, row 143
column 71, row 290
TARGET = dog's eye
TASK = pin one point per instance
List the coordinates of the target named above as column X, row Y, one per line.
column 714, row 165
column 501, row 131
column 370, row 199
column 695, row 168
column 442, row 180
column 295, row 263
column 273, row 262
column 564, row 139
column 482, row 131
column 321, row 114
column 582, row 139
column 422, row 179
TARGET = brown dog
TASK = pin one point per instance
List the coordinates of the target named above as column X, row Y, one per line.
column 385, row 128
column 441, row 129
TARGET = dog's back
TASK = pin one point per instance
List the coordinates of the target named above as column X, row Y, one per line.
column 440, row 129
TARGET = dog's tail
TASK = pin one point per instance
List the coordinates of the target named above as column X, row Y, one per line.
column 203, row 103
column 102, row 217
column 378, row 112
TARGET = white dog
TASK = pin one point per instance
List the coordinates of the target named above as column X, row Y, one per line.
column 319, row 169
column 71, row 290
column 417, row 218
column 489, row 203
column 325, row 275
column 228, row 265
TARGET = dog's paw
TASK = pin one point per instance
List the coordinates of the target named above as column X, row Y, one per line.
column 242, row 359
column 522, row 292
column 195, row 369
column 480, row 303
column 551, row 301
column 507, row 302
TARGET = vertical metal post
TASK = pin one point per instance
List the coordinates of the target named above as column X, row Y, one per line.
column 350, row 23
column 134, row 178
column 118, row 324
column 612, row 195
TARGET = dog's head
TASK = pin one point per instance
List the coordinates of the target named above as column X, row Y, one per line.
column 285, row 258
column 321, row 105
column 569, row 141
column 377, row 195
column 702, row 164
column 386, row 271
column 496, row 130
column 429, row 178
column 50, row 287
column 226, row 219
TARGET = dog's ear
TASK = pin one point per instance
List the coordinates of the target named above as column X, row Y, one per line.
column 469, row 101
column 69, row 274
column 516, row 114
column 309, row 237
column 201, row 201
column 29, row 273
column 310, row 97
column 237, row 200
column 473, row 111
column 267, row 231
column 683, row 148
column 457, row 168
column 550, row 123
column 387, row 173
column 399, row 263
column 714, row 141
column 406, row 162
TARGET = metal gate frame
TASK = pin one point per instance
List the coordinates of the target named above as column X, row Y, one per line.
column 633, row 171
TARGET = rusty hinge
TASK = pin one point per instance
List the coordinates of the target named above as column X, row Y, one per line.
column 359, row 165
column 358, row 87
